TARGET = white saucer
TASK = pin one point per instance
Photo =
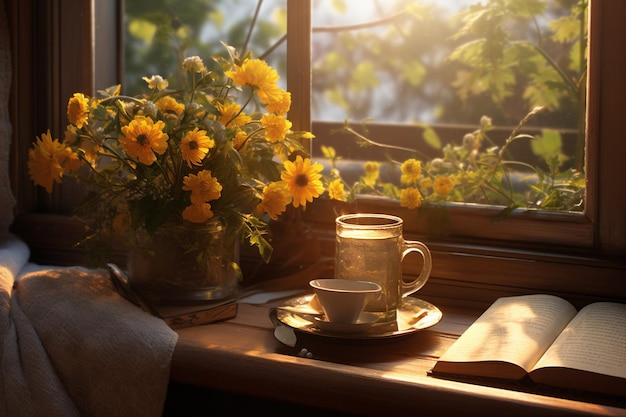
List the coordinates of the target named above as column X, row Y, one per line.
column 364, row 322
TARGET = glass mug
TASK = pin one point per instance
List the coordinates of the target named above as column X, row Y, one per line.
column 371, row 247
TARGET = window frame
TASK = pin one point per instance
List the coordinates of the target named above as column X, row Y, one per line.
column 579, row 255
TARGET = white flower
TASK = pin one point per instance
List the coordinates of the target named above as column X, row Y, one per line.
column 156, row 81
column 194, row 64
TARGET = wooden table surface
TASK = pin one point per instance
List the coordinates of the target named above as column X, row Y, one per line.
column 382, row 377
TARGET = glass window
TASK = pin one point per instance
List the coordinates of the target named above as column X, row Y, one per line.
column 158, row 34
column 459, row 76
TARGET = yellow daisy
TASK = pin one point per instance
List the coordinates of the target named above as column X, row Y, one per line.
column 203, row 186
column 303, row 180
column 195, row 146
column 275, row 199
column 276, row 127
column 411, row 171
column 142, row 138
column 255, row 73
column 78, row 110
column 198, row 213
column 410, row 198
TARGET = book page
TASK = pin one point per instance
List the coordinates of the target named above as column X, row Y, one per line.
column 594, row 341
column 513, row 329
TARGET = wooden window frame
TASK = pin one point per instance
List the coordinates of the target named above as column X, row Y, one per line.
column 580, row 256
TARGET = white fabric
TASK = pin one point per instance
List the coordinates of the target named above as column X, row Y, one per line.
column 71, row 346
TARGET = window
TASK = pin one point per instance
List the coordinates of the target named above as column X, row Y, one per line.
column 437, row 68
column 545, row 251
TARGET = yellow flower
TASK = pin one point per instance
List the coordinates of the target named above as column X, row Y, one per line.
column 303, row 180
column 239, row 139
column 195, row 145
column 276, row 99
column 231, row 115
column 254, row 73
column 276, row 127
column 44, row 161
column 372, row 170
column 78, row 110
column 442, row 185
column 203, row 186
column 275, row 199
column 426, row 183
column 198, row 213
column 72, row 161
column 411, row 171
column 142, row 138
column 156, row 82
column 410, row 198
column 336, row 190
column 70, row 136
column 170, row 107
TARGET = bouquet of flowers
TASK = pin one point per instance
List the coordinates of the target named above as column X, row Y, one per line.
column 219, row 151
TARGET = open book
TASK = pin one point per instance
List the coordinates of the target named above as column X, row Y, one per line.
column 543, row 337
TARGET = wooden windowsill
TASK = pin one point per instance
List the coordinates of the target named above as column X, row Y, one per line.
column 387, row 377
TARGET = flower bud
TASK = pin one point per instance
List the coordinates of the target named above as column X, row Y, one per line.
column 194, row 64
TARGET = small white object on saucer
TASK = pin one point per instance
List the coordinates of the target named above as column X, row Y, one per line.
column 364, row 322
column 343, row 300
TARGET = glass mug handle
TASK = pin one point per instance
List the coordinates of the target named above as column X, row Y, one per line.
column 409, row 246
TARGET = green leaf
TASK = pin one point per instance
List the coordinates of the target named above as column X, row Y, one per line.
column 364, row 77
column 547, row 144
column 566, row 29
column 413, row 72
column 431, row 137
column 142, row 29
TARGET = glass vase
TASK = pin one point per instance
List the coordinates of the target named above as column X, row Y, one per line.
column 184, row 264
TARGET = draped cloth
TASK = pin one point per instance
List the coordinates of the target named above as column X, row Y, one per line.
column 70, row 345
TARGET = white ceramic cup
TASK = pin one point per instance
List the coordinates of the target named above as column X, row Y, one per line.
column 343, row 300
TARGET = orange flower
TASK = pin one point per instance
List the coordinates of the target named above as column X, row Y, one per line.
column 203, row 186
column 198, row 213
column 142, row 138
column 442, row 185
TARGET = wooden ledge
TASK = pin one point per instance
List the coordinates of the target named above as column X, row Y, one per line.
column 377, row 378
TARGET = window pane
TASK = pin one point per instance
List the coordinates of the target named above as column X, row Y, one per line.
column 446, row 64
column 159, row 33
